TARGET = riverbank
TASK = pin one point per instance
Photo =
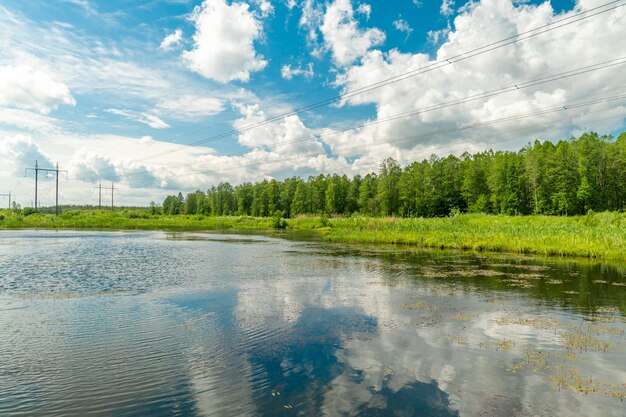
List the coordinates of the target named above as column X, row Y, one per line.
column 596, row 235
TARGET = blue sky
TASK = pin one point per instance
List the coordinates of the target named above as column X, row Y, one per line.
column 119, row 90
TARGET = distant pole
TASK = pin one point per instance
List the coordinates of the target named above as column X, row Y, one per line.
column 57, row 191
column 56, row 170
column 112, row 188
column 36, row 175
column 100, row 195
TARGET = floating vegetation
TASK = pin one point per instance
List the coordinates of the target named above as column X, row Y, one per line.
column 575, row 339
column 538, row 322
column 519, row 266
column 619, row 284
column 504, row 344
column 457, row 339
column 615, row 391
column 554, row 282
column 390, row 283
column 420, row 305
column 64, row 295
column 570, row 378
column 599, row 281
column 534, row 359
column 571, row 292
column 460, row 317
column 520, row 283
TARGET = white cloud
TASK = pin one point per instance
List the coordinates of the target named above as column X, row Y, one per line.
column 265, row 7
column 270, row 134
column 27, row 120
column 90, row 166
column 403, row 26
column 190, row 107
column 447, row 7
column 288, row 73
column 435, row 37
column 342, row 35
column 19, row 152
column 171, row 40
column 26, row 87
column 365, row 9
column 224, row 42
column 550, row 53
column 146, row 118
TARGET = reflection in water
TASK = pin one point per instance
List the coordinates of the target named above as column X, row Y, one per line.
column 219, row 325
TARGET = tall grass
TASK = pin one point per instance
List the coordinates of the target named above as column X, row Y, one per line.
column 596, row 235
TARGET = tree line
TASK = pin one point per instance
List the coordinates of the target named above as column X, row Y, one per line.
column 567, row 178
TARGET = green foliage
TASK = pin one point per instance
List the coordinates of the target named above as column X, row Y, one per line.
column 566, row 178
column 278, row 221
column 27, row 211
column 598, row 235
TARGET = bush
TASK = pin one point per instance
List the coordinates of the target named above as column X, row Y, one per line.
column 28, row 211
column 278, row 221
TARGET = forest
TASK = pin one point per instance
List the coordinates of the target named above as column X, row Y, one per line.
column 570, row 177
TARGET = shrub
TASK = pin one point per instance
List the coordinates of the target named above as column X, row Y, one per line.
column 278, row 221
column 28, row 211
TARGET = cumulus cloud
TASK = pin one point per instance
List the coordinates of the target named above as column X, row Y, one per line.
column 270, row 134
column 365, row 9
column 288, row 73
column 171, row 40
column 342, row 35
column 19, row 152
column 447, row 7
column 26, row 87
column 146, row 118
column 265, row 7
column 224, row 42
column 435, row 37
column 549, row 53
column 90, row 166
column 403, row 26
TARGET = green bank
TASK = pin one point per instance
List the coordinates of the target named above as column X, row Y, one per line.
column 595, row 235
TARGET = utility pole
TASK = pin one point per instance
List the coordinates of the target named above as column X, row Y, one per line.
column 56, row 170
column 99, row 187
column 7, row 195
column 113, row 188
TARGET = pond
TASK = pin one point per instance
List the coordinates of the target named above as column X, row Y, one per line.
column 193, row 324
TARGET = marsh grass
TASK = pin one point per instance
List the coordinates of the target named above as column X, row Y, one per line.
column 597, row 235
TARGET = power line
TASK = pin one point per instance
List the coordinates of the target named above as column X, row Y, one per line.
column 36, row 169
column 510, row 88
column 521, row 85
column 430, row 67
column 564, row 107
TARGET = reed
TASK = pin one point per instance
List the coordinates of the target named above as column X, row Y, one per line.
column 596, row 235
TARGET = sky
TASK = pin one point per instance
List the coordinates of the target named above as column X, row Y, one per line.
column 161, row 96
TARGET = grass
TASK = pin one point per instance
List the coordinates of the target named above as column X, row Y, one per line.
column 596, row 235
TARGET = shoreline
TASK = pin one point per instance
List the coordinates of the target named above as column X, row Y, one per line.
column 595, row 236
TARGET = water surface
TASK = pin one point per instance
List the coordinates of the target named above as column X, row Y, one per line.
column 193, row 324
